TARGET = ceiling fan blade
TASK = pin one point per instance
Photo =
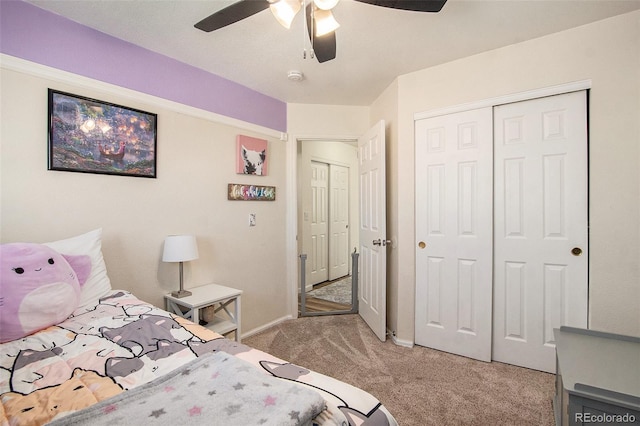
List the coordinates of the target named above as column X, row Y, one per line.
column 414, row 5
column 324, row 47
column 231, row 14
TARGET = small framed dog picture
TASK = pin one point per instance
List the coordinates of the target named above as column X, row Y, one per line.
column 251, row 156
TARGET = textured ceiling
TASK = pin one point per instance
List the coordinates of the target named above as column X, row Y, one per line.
column 374, row 44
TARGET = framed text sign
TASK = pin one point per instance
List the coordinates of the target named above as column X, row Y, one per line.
column 243, row 192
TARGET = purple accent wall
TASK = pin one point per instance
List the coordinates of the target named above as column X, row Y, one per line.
column 37, row 35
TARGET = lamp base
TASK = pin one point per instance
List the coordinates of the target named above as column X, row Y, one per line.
column 181, row 293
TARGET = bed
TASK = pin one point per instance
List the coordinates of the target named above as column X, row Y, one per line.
column 112, row 358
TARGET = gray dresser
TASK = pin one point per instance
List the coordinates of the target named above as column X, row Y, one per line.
column 597, row 378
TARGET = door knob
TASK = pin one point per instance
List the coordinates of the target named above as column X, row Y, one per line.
column 380, row 242
column 576, row 251
column 422, row 244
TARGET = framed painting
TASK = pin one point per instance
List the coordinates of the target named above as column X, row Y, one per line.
column 91, row 136
column 251, row 158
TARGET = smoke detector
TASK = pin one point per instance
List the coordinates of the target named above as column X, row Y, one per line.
column 295, row 75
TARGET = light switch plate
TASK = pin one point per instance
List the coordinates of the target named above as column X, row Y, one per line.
column 252, row 219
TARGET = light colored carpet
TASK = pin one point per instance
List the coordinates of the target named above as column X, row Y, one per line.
column 339, row 291
column 419, row 386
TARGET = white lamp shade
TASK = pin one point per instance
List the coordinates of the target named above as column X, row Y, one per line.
column 180, row 248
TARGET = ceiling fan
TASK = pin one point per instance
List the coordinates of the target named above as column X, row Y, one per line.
column 320, row 23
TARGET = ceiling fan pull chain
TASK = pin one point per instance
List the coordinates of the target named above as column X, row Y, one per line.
column 312, row 29
column 304, row 31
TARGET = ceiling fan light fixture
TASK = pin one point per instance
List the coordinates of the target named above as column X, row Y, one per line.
column 284, row 11
column 326, row 4
column 325, row 23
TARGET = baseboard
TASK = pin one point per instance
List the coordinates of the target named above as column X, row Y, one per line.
column 399, row 342
column 266, row 326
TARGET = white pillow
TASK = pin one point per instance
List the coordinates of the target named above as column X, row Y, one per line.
column 98, row 284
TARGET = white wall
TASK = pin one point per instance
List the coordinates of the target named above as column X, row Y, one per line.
column 607, row 53
column 196, row 161
column 305, row 121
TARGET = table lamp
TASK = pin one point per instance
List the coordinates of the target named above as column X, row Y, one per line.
column 180, row 248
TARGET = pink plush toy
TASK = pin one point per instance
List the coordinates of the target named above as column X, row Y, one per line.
column 39, row 287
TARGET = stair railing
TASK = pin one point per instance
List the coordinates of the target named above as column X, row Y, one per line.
column 354, row 289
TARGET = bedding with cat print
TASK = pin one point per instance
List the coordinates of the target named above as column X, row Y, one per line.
column 123, row 343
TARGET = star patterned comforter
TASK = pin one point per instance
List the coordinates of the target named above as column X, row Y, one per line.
column 216, row 388
column 80, row 369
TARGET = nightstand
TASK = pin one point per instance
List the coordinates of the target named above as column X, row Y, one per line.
column 224, row 300
column 597, row 377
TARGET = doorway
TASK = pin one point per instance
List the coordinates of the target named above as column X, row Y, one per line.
column 369, row 237
column 327, row 221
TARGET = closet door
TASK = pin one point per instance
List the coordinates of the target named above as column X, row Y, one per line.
column 338, row 221
column 318, row 270
column 540, row 232
column 454, row 233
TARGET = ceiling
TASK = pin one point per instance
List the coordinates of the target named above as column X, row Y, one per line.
column 374, row 44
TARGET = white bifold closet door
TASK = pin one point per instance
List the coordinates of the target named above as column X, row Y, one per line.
column 501, row 229
column 454, row 188
column 338, row 221
column 329, row 251
column 319, row 262
column 540, row 234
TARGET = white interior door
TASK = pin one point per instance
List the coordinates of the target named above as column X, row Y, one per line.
column 338, row 221
column 318, row 263
column 453, row 231
column 540, row 237
column 372, row 284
